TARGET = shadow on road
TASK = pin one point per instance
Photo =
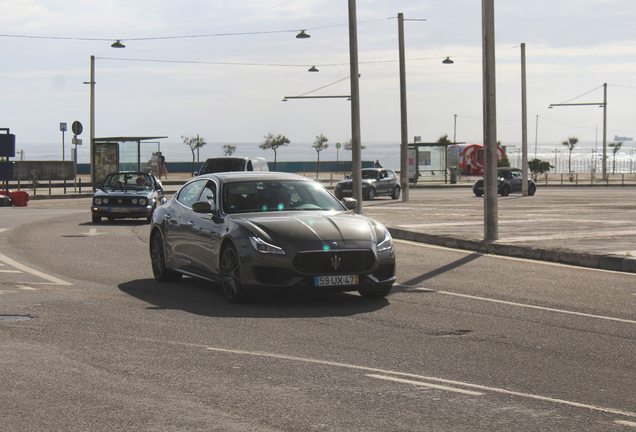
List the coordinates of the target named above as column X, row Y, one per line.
column 205, row 298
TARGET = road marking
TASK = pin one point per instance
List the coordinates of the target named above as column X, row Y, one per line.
column 3, row 230
column 509, row 303
column 93, row 232
column 427, row 378
column 26, row 269
column 625, row 423
column 423, row 384
column 10, row 271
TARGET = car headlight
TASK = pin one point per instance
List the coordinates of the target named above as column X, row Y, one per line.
column 134, row 201
column 142, row 201
column 98, row 201
column 386, row 243
column 264, row 247
column 105, row 200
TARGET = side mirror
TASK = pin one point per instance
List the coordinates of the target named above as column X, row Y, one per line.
column 350, row 203
column 196, row 173
column 202, row 207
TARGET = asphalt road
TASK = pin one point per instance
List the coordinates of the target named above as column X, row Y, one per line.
column 465, row 341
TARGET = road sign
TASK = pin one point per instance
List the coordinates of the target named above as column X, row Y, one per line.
column 76, row 141
column 62, row 127
column 77, row 128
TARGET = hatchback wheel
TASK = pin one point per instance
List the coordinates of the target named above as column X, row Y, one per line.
column 371, row 193
column 231, row 276
column 532, row 189
column 505, row 191
column 396, row 193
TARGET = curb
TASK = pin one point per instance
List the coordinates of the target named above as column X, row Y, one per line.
column 560, row 255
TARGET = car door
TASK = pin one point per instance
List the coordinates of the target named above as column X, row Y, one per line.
column 383, row 181
column 204, row 235
column 176, row 218
column 515, row 181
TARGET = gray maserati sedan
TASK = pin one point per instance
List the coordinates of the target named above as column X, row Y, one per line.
column 253, row 231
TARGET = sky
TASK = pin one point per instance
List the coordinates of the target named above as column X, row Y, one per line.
column 221, row 69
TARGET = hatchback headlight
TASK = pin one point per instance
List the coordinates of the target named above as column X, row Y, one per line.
column 105, row 200
column 98, row 201
column 142, row 201
column 264, row 247
column 386, row 243
column 134, row 201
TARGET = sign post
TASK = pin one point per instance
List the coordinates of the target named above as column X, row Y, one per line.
column 77, row 129
column 63, row 129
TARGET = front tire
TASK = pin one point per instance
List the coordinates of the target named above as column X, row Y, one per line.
column 97, row 219
column 396, row 193
column 231, row 276
column 505, row 191
column 158, row 260
column 371, row 194
column 531, row 190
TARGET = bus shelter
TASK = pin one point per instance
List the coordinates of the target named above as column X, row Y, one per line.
column 428, row 161
column 113, row 154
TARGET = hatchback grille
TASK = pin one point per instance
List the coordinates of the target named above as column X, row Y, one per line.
column 334, row 262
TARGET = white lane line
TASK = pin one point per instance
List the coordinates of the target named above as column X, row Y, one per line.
column 10, row 271
column 428, row 378
column 423, row 384
column 3, row 230
column 625, row 423
column 509, row 303
column 26, row 269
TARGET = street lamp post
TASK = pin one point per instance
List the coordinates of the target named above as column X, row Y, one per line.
column 356, row 153
column 524, row 125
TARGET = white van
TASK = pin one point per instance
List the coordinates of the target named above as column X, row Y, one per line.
column 233, row 163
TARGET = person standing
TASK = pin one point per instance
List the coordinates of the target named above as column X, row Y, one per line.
column 162, row 165
column 377, row 163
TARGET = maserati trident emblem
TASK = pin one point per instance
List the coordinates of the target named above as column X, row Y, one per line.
column 335, row 262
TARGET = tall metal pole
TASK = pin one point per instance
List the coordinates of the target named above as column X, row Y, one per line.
column 490, row 121
column 356, row 153
column 455, row 129
column 605, row 178
column 536, row 137
column 92, row 121
column 404, row 144
column 524, row 125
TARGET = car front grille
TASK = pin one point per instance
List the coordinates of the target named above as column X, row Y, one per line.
column 122, row 201
column 334, row 262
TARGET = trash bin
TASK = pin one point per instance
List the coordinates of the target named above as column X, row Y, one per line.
column 453, row 175
column 19, row 198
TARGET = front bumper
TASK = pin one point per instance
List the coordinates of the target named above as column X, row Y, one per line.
column 122, row 211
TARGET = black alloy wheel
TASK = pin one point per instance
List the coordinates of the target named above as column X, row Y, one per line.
column 371, row 193
column 158, row 260
column 396, row 193
column 231, row 276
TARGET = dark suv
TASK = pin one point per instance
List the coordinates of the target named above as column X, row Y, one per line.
column 232, row 163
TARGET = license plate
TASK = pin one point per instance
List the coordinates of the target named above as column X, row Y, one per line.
column 336, row 280
column 119, row 210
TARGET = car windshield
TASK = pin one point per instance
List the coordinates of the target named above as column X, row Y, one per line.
column 222, row 165
column 128, row 181
column 369, row 174
column 277, row 195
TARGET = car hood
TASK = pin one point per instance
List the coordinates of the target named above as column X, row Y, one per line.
column 108, row 193
column 292, row 227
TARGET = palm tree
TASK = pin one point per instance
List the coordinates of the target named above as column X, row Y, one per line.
column 320, row 144
column 570, row 143
column 615, row 148
column 273, row 142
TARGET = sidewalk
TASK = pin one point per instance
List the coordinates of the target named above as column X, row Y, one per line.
column 584, row 226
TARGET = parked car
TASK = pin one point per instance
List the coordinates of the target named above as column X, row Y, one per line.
column 250, row 232
column 233, row 163
column 508, row 181
column 127, row 195
column 375, row 182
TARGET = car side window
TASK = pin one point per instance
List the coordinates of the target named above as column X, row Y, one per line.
column 516, row 174
column 209, row 194
column 190, row 193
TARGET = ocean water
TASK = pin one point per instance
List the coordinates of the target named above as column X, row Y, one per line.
column 585, row 156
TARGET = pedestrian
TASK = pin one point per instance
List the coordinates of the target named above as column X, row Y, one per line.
column 162, row 165
column 154, row 162
column 377, row 163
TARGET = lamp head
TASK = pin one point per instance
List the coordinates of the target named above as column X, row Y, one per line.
column 447, row 60
column 302, row 35
column 118, row 44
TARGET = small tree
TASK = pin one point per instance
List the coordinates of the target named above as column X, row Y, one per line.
column 228, row 149
column 537, row 167
column 443, row 139
column 570, row 144
column 615, row 148
column 349, row 145
column 194, row 142
column 273, row 142
column 320, row 144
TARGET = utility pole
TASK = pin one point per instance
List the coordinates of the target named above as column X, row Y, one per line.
column 404, row 145
column 490, row 122
column 524, row 125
